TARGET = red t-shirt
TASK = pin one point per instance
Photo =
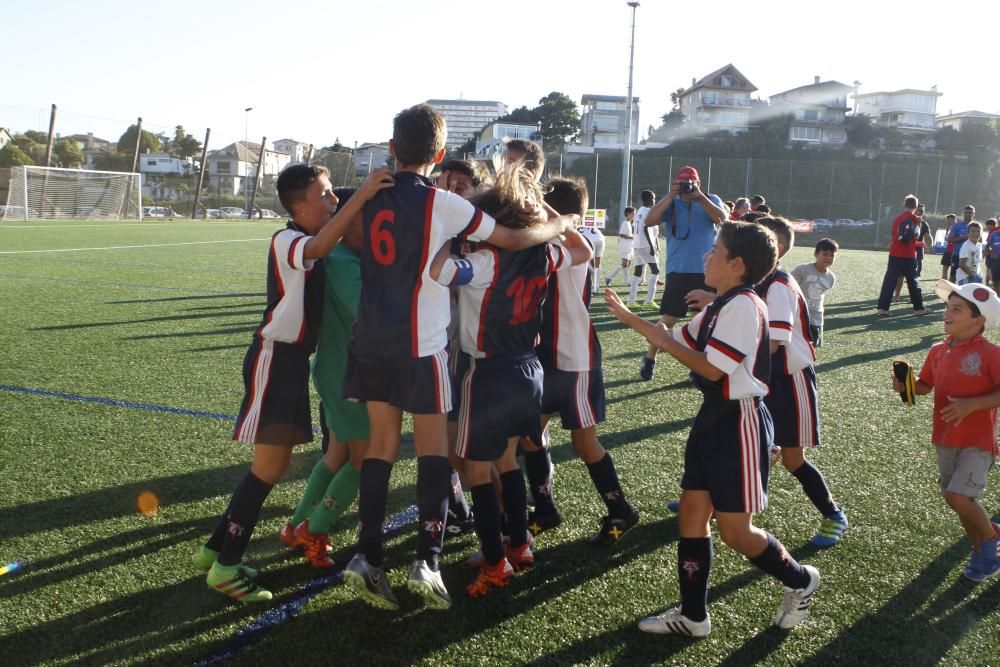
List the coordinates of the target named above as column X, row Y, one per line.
column 962, row 370
column 898, row 248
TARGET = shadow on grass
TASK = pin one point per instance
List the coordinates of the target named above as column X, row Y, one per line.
column 247, row 329
column 922, row 345
column 227, row 295
column 146, row 320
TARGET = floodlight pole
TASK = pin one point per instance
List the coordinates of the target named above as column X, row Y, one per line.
column 627, row 151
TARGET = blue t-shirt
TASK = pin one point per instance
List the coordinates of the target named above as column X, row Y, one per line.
column 690, row 233
column 960, row 229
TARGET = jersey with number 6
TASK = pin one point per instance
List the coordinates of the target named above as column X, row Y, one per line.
column 403, row 311
column 500, row 296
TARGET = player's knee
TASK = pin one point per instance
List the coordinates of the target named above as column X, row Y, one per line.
column 957, row 501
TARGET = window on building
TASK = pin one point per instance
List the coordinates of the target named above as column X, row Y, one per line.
column 810, row 114
column 805, row 133
column 222, row 167
column 151, row 163
column 726, row 81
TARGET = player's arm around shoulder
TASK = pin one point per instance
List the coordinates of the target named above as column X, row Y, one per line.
column 578, row 248
column 546, row 230
column 475, row 269
column 327, row 237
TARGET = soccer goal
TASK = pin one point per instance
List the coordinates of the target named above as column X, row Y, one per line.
column 51, row 193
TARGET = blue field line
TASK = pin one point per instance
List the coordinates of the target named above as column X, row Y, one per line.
column 257, row 629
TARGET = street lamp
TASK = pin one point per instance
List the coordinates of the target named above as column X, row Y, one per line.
column 246, row 140
column 627, row 151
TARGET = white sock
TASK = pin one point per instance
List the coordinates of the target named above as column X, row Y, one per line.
column 651, row 290
column 597, row 278
column 633, row 290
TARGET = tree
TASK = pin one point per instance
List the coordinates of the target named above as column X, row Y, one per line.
column 12, row 156
column 861, row 131
column 468, row 147
column 148, row 143
column 520, row 116
column 67, row 153
column 113, row 160
column 33, row 145
column 183, row 144
column 675, row 97
column 559, row 120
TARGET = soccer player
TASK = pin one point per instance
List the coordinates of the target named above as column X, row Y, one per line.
column 625, row 236
column 816, row 279
column 646, row 248
column 596, row 240
column 398, row 360
column 574, row 387
column 275, row 415
column 501, row 390
column 727, row 349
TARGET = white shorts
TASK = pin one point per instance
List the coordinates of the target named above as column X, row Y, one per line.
column 643, row 256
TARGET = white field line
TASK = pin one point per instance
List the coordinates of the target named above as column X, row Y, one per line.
column 128, row 247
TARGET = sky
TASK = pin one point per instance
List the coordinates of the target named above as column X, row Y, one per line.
column 320, row 71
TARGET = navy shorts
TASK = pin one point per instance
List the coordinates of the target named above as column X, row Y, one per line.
column 420, row 386
column 946, row 259
column 275, row 408
column 458, row 365
column 578, row 396
column 727, row 454
column 794, row 405
column 678, row 285
column 501, row 398
column 993, row 264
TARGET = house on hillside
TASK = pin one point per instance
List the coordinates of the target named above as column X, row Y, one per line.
column 231, row 169
column 91, row 147
column 495, row 135
column 370, row 156
column 718, row 101
column 296, row 150
column 908, row 110
column 957, row 121
column 602, row 123
column 819, row 111
column 5, row 137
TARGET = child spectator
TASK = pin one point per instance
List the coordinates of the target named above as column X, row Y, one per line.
column 970, row 257
column 816, row 279
column 275, row 414
column 992, row 253
column 727, row 348
column 963, row 371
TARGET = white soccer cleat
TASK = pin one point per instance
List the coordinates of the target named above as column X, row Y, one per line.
column 673, row 622
column 795, row 602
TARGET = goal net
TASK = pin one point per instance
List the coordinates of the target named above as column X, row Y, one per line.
column 51, row 193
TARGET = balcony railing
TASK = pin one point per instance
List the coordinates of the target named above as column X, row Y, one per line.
column 724, row 101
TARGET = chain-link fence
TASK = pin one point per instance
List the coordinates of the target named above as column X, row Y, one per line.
column 853, row 202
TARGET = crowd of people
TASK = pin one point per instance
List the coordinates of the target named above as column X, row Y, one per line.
column 464, row 301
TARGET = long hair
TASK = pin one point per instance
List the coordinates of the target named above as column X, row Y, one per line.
column 513, row 198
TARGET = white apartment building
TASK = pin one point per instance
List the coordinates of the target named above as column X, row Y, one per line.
column 602, row 124
column 233, row 168
column 718, row 101
column 907, row 109
column 819, row 111
column 466, row 117
column 495, row 135
column 957, row 121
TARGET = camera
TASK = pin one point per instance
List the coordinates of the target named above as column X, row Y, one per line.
column 686, row 187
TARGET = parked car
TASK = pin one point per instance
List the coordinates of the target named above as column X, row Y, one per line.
column 822, row 224
column 232, row 212
column 262, row 213
column 159, row 212
column 213, row 213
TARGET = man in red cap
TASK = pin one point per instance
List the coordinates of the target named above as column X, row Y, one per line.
column 691, row 219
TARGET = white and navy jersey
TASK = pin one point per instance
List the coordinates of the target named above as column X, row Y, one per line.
column 646, row 238
column 733, row 332
column 788, row 322
column 403, row 311
column 596, row 238
column 625, row 235
column 568, row 339
column 500, row 292
column 294, row 291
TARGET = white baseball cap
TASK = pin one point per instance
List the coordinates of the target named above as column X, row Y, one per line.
column 984, row 298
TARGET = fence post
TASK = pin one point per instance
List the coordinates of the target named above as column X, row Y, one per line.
column 878, row 218
column 709, row 175
column 256, row 177
column 791, row 166
column 954, row 189
column 201, row 176
column 829, row 197
column 937, row 193
column 746, row 190
column 597, row 166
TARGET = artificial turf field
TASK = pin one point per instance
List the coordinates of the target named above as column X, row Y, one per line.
column 157, row 316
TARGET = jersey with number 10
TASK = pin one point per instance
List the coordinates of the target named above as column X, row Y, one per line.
column 403, row 311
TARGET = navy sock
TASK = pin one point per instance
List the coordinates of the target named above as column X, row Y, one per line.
column 515, row 505
column 778, row 563
column 605, row 479
column 244, row 510
column 486, row 514
column 815, row 487
column 219, row 534
column 694, row 563
column 373, row 486
column 432, row 506
column 538, row 467
column 456, row 501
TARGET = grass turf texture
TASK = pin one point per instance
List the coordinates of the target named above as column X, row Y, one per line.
column 168, row 325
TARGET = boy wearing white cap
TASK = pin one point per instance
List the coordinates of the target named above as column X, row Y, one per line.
column 964, row 373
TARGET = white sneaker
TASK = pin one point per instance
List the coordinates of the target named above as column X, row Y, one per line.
column 795, row 602
column 428, row 584
column 673, row 622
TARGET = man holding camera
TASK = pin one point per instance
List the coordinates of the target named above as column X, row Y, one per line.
column 690, row 219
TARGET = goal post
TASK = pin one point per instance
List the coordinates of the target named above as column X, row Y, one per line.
column 53, row 193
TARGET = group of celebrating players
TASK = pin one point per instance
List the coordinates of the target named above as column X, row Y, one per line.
column 464, row 302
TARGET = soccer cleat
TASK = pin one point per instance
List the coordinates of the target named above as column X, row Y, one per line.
column 204, row 558
column 539, row 523
column 922, row 311
column 674, row 506
column 607, row 282
column 314, row 545
column 831, row 530
column 660, row 283
column 236, row 583
column 984, row 563
column 427, row 583
column 774, row 452
column 521, row 558
column 795, row 602
column 287, row 535
column 882, row 313
column 673, row 622
column 370, row 583
column 647, row 368
column 490, row 577
column 613, row 530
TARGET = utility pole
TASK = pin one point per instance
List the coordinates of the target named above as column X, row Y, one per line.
column 201, row 175
column 256, row 178
column 627, row 151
